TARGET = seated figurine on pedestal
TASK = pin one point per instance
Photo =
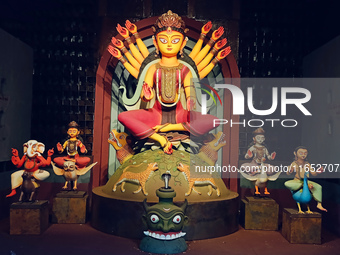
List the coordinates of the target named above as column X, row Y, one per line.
column 31, row 162
column 300, row 186
column 71, row 145
column 258, row 171
column 72, row 165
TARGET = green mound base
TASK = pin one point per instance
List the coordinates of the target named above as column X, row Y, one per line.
column 120, row 213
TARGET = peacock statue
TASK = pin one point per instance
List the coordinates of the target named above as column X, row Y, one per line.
column 303, row 195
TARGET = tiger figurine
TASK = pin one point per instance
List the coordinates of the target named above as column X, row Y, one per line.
column 185, row 169
column 138, row 178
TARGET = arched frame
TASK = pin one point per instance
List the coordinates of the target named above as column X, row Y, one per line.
column 102, row 119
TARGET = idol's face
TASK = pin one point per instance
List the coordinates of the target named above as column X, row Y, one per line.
column 301, row 154
column 169, row 43
column 73, row 132
column 259, row 139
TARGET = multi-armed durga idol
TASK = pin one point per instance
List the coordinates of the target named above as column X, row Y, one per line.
column 163, row 129
column 161, row 77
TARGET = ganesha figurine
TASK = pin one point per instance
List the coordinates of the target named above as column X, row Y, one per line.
column 165, row 221
column 31, row 161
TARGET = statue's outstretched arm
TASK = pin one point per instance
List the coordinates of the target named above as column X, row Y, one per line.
column 16, row 159
column 215, row 36
column 218, row 46
column 120, row 45
column 133, row 30
column 205, row 29
column 221, row 55
column 135, row 52
column 45, row 162
column 65, row 144
column 117, row 54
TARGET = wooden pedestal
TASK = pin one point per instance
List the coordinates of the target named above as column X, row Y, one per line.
column 29, row 218
column 259, row 213
column 70, row 207
column 301, row 228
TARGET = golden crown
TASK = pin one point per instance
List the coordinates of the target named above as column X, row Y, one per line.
column 169, row 20
column 73, row 124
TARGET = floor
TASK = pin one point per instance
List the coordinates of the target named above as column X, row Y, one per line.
column 83, row 239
